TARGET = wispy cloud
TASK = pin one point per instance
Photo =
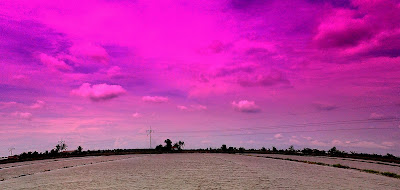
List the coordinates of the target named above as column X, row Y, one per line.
column 155, row 99
column 324, row 106
column 22, row 115
column 38, row 104
column 136, row 115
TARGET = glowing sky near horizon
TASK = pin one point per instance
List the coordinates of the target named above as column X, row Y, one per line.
column 244, row 73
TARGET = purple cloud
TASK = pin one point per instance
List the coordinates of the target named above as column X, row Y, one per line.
column 275, row 77
column 136, row 115
column 38, row 104
column 99, row 92
column 378, row 116
column 323, row 106
column 54, row 63
column 22, row 115
column 155, row 99
column 245, row 106
column 92, row 51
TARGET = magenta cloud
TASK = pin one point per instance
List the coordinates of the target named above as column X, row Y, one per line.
column 192, row 108
column 99, row 92
column 38, row 104
column 92, row 51
column 324, row 106
column 245, row 106
column 54, row 63
column 182, row 107
column 274, row 77
column 136, row 115
column 22, row 115
column 365, row 29
column 155, row 99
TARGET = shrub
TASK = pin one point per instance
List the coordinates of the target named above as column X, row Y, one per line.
column 390, row 174
column 340, row 166
column 372, row 171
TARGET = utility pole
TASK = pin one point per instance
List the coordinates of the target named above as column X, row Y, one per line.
column 10, row 150
column 149, row 134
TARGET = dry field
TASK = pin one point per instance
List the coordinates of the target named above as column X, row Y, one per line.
column 185, row 171
column 353, row 163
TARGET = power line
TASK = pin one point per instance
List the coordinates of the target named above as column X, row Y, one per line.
column 305, row 131
column 293, row 114
column 345, row 122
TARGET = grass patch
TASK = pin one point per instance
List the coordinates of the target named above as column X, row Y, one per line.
column 340, row 166
column 372, row 171
column 390, row 174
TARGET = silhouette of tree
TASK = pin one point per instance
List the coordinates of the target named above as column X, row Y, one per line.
column 79, row 149
column 176, row 145
column 168, row 145
column 291, row 149
column 181, row 145
column 159, row 147
column 274, row 149
column 223, row 148
column 60, row 147
column 335, row 152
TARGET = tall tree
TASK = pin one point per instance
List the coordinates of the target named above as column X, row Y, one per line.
column 168, row 144
column 181, row 145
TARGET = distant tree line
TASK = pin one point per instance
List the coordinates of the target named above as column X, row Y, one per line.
column 59, row 151
column 176, row 147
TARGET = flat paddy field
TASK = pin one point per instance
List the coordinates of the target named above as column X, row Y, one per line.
column 196, row 171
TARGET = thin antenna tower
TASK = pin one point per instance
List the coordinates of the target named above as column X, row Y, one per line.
column 10, row 150
column 149, row 132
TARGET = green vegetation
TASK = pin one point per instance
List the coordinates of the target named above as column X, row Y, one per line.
column 177, row 147
column 390, row 174
column 59, row 151
column 340, row 166
column 372, row 171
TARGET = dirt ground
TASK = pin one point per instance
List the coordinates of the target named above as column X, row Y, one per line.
column 184, row 171
column 353, row 163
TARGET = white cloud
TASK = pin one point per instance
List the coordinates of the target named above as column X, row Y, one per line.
column 192, row 107
column 22, row 115
column 54, row 63
column 246, row 106
column 38, row 104
column 278, row 136
column 155, row 99
column 136, row 115
column 7, row 104
column 92, row 51
column 377, row 116
column 198, row 107
column 99, row 92
column 182, row 107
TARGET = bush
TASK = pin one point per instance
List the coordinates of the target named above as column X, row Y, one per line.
column 340, row 166
column 371, row 171
column 390, row 174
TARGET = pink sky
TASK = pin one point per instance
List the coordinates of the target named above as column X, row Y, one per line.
column 245, row 73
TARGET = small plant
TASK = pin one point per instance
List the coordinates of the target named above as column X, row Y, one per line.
column 340, row 166
column 371, row 171
column 390, row 174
